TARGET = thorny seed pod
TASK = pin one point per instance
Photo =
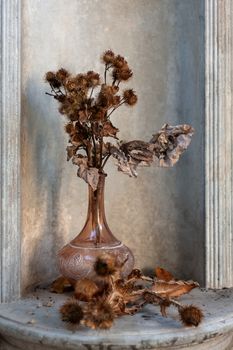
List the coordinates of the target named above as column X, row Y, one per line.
column 122, row 74
column 70, row 129
column 105, row 265
column 71, row 85
column 93, row 79
column 119, row 61
column 108, row 57
column 130, row 97
column 190, row 315
column 85, row 289
column 62, row 74
column 50, row 77
column 81, row 80
column 99, row 315
column 72, row 312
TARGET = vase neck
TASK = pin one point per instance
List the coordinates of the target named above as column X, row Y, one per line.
column 96, row 231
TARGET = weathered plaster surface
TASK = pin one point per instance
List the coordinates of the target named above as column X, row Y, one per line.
column 160, row 215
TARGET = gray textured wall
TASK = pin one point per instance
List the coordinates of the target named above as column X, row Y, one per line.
column 160, row 215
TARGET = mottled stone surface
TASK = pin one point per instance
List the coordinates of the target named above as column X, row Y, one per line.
column 34, row 324
column 160, row 215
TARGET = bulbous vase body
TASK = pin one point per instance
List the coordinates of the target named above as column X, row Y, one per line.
column 76, row 259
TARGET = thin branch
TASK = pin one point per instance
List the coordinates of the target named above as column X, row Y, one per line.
column 52, row 89
column 105, row 74
column 91, row 92
column 120, row 104
column 94, row 143
column 101, row 151
column 47, row 93
column 105, row 161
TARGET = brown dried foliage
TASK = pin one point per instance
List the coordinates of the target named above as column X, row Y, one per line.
column 110, row 296
column 88, row 101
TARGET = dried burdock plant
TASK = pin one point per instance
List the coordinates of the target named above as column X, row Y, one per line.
column 99, row 315
column 117, row 297
column 72, row 312
column 85, row 289
column 190, row 315
column 88, row 103
column 105, row 265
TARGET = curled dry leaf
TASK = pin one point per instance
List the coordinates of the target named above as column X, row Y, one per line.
column 173, row 289
column 88, row 174
column 123, row 162
column 60, row 285
column 109, row 130
column 163, row 274
column 71, row 151
column 170, row 142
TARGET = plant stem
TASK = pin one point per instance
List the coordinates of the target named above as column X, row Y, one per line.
column 91, row 92
column 101, row 151
column 94, row 143
column 105, row 161
column 105, row 74
column 47, row 93
column 120, row 104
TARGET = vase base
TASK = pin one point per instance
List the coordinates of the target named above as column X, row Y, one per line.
column 77, row 261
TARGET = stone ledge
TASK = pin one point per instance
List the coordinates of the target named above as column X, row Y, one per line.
column 33, row 324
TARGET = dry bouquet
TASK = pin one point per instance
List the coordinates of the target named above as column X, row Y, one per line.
column 88, row 102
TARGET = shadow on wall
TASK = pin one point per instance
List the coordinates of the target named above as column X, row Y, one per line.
column 176, row 222
column 41, row 177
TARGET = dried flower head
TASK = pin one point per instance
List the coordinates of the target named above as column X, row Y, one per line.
column 105, row 265
column 72, row 312
column 50, row 77
column 108, row 57
column 130, row 97
column 93, row 79
column 85, row 289
column 62, row 74
column 190, row 315
column 71, row 84
column 70, row 129
column 119, row 61
column 99, row 315
column 122, row 73
column 81, row 80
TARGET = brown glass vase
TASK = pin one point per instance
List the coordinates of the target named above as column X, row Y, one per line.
column 76, row 259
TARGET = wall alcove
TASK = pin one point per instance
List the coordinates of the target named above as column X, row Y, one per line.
column 181, row 54
column 163, row 42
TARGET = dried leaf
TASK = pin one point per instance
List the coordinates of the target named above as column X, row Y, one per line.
column 109, row 130
column 173, row 289
column 82, row 116
column 124, row 164
column 170, row 142
column 71, row 151
column 88, row 174
column 60, row 285
column 163, row 274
